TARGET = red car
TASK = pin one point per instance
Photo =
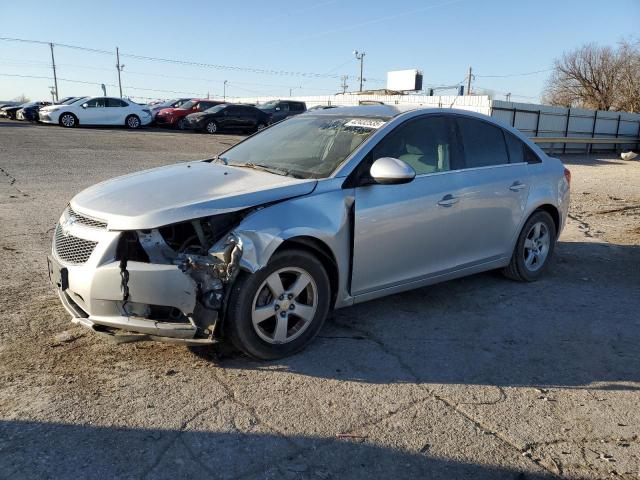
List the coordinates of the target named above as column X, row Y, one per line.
column 174, row 117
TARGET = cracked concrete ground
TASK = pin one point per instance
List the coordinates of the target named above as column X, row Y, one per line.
column 474, row 378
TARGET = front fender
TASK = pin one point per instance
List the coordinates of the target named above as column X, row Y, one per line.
column 325, row 215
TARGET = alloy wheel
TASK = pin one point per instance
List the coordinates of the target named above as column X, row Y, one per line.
column 133, row 122
column 284, row 305
column 536, row 246
column 212, row 127
column 68, row 120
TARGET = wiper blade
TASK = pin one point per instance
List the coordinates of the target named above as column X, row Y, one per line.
column 264, row 168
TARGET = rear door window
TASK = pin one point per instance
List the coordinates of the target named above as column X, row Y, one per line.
column 114, row 102
column 483, row 144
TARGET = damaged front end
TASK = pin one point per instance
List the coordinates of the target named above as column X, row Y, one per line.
column 202, row 249
column 168, row 283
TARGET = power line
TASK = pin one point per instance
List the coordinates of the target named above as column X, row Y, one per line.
column 515, row 74
column 260, row 71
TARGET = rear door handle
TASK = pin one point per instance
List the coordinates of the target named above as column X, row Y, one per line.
column 448, row 200
column 517, row 186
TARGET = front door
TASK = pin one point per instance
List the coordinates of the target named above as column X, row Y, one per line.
column 408, row 232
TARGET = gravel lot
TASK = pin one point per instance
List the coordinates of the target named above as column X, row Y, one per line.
column 474, row 378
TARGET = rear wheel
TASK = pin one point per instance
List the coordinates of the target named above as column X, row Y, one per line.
column 133, row 121
column 279, row 309
column 68, row 120
column 181, row 124
column 534, row 248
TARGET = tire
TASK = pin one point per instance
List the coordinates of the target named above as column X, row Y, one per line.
column 261, row 126
column 133, row 122
column 297, row 317
column 68, row 120
column 526, row 265
column 211, row 127
column 181, row 124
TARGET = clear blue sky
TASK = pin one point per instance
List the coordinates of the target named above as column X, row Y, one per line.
column 441, row 37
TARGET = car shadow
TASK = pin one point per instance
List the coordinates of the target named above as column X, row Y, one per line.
column 56, row 450
column 578, row 326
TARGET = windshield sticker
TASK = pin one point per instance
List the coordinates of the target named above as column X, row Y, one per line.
column 372, row 123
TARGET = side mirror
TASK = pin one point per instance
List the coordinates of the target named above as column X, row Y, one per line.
column 85, row 105
column 391, row 171
column 277, row 109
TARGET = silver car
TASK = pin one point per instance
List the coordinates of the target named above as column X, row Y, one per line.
column 321, row 211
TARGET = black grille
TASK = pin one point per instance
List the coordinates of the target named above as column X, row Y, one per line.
column 87, row 221
column 72, row 249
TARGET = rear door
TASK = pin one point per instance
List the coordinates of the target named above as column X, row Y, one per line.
column 409, row 232
column 116, row 111
column 494, row 191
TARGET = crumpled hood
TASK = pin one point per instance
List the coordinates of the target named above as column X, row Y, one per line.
column 177, row 193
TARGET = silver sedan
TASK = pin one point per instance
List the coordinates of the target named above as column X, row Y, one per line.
column 321, row 211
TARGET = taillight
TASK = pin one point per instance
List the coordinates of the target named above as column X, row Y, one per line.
column 567, row 175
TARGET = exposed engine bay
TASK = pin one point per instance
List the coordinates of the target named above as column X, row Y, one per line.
column 204, row 250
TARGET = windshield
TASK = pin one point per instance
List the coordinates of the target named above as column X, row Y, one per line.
column 268, row 105
column 310, row 146
column 215, row 109
column 187, row 105
column 74, row 100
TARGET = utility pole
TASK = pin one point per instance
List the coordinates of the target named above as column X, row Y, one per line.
column 55, row 78
column 469, row 81
column 52, row 89
column 343, row 84
column 360, row 56
column 224, row 90
column 119, row 68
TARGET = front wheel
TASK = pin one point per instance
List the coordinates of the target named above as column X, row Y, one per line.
column 68, row 120
column 534, row 248
column 261, row 126
column 181, row 124
column 279, row 309
column 211, row 127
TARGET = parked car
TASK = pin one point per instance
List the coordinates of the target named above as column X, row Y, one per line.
column 97, row 111
column 30, row 111
column 321, row 107
column 175, row 103
column 175, row 117
column 322, row 211
column 12, row 111
column 281, row 109
column 228, row 117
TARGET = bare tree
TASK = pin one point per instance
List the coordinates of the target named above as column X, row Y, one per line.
column 597, row 77
column 628, row 86
column 21, row 99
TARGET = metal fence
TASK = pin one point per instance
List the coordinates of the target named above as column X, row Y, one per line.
column 540, row 121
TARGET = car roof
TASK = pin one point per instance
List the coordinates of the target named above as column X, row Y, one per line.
column 377, row 111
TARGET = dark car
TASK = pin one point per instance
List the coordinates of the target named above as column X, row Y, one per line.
column 281, row 109
column 175, row 117
column 228, row 117
column 31, row 112
column 10, row 112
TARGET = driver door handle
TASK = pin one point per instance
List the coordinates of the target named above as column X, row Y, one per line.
column 517, row 186
column 448, row 200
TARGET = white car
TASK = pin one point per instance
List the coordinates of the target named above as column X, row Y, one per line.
column 97, row 111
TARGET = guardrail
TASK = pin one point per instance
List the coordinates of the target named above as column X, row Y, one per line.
column 588, row 141
column 602, row 140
